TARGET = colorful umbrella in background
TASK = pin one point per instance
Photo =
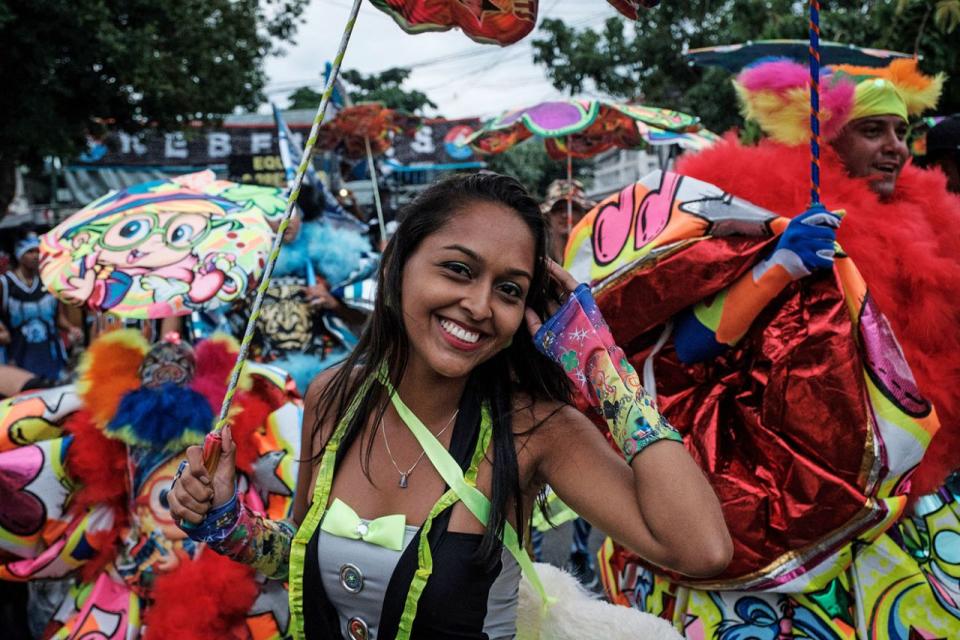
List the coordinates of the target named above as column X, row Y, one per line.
column 366, row 129
column 163, row 248
column 500, row 22
column 734, row 57
column 687, row 140
column 579, row 128
column 583, row 128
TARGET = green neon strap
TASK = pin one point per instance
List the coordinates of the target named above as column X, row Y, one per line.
column 472, row 498
column 321, row 493
column 424, row 555
column 424, row 566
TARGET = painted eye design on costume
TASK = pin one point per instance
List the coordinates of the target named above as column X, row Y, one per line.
column 131, row 229
column 157, row 499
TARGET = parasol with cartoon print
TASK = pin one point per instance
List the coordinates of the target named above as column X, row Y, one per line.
column 162, row 248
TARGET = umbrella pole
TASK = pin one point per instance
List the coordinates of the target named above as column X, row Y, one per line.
column 371, row 167
column 211, row 446
column 814, row 102
column 569, row 188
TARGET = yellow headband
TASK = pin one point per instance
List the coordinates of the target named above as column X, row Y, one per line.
column 877, row 97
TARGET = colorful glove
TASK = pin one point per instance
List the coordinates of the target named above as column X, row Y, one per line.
column 579, row 340
column 234, row 531
column 807, row 245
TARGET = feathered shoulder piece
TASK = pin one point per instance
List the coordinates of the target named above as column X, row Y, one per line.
column 108, row 370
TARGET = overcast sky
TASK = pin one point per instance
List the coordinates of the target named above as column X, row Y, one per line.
column 462, row 77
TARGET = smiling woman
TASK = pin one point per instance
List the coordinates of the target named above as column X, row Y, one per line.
column 456, row 365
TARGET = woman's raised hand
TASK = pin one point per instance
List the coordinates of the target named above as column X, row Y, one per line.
column 194, row 491
column 560, row 282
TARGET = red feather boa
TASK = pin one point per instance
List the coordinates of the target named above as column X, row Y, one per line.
column 204, row 599
column 907, row 248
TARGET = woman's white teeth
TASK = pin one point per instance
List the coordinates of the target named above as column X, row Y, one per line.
column 459, row 332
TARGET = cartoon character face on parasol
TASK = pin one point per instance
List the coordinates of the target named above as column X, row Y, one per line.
column 154, row 251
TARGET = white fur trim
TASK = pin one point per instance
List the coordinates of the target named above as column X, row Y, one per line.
column 578, row 614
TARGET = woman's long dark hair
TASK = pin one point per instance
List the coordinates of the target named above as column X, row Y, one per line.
column 519, row 368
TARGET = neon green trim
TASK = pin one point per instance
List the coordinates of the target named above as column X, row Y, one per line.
column 462, row 488
column 447, row 500
column 709, row 314
column 321, row 493
column 558, row 513
column 386, row 531
column 424, row 567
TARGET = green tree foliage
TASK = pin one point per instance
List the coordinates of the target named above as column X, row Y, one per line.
column 304, row 98
column 385, row 87
column 72, row 68
column 644, row 60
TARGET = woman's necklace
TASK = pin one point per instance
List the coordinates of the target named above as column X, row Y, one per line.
column 405, row 475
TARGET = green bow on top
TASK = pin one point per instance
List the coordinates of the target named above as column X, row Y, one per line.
column 342, row 521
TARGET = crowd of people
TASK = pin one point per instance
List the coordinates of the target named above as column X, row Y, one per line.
column 789, row 470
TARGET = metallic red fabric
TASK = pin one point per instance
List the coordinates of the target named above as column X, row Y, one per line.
column 500, row 22
column 907, row 248
column 490, row 21
column 786, row 478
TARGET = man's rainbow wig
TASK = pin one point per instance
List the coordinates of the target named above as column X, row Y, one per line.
column 776, row 94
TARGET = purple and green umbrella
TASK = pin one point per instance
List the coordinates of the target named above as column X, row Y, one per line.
column 583, row 128
column 580, row 128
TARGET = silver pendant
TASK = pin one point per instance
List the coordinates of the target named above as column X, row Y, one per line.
column 403, row 481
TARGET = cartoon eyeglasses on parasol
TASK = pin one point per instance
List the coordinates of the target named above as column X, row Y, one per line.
column 583, row 128
column 366, row 129
column 162, row 248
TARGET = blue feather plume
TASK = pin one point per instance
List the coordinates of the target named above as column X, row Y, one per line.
column 335, row 252
column 167, row 418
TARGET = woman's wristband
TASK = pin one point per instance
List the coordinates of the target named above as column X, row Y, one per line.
column 578, row 339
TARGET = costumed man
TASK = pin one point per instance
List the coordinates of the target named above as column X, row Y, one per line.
column 303, row 328
column 84, row 471
column 795, row 395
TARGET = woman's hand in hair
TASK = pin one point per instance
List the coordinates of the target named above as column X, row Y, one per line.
column 560, row 284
